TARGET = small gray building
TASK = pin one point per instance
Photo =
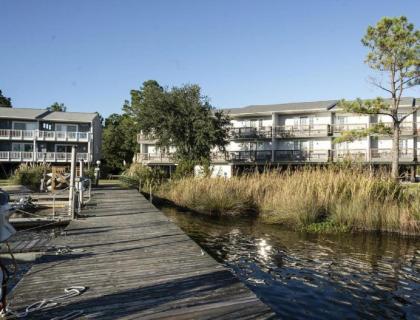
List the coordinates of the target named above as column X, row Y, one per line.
column 34, row 135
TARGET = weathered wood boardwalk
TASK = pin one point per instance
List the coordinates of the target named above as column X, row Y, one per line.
column 137, row 265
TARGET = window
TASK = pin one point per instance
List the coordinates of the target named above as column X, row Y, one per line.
column 63, row 148
column 24, row 125
column 46, row 126
column 22, row 147
column 66, row 127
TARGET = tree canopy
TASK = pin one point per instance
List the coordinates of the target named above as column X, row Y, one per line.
column 181, row 118
column 4, row 101
column 118, row 142
column 57, row 107
column 394, row 53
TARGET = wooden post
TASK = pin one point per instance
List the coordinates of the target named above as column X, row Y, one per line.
column 80, row 185
column 71, row 185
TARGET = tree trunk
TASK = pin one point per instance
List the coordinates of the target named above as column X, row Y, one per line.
column 396, row 152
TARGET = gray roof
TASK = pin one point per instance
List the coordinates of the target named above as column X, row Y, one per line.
column 406, row 102
column 37, row 114
column 284, row 107
column 70, row 116
column 21, row 113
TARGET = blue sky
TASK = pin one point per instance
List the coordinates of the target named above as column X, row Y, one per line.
column 89, row 54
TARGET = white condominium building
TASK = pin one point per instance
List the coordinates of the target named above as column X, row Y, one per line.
column 301, row 133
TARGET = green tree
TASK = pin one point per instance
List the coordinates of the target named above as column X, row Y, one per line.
column 118, row 142
column 394, row 52
column 181, row 118
column 4, row 101
column 57, row 107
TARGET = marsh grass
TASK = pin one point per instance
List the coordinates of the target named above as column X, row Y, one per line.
column 315, row 199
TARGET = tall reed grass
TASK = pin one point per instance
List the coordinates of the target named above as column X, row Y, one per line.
column 341, row 199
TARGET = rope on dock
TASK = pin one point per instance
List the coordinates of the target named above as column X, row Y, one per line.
column 48, row 303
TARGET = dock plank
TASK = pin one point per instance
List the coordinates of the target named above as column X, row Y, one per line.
column 137, row 264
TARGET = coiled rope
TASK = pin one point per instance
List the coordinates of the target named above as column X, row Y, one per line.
column 48, row 303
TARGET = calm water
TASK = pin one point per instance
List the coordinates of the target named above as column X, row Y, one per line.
column 302, row 276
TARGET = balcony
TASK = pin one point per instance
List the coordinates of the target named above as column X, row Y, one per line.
column 359, row 155
column 250, row 156
column 155, row 158
column 143, row 138
column 8, row 134
column 218, row 157
column 301, row 155
column 406, row 128
column 339, row 128
column 21, row 156
column 316, row 130
column 63, row 136
column 385, row 155
column 247, row 133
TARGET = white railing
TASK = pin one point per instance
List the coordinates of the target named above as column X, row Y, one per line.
column 386, row 154
column 350, row 154
column 251, row 132
column 406, row 128
column 10, row 134
column 338, row 128
column 154, row 158
column 63, row 136
column 315, row 130
column 143, row 138
column 302, row 155
column 23, row 156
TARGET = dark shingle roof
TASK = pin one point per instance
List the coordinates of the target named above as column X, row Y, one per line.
column 70, row 116
column 284, row 107
column 21, row 113
column 35, row 114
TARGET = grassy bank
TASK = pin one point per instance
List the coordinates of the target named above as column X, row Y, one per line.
column 311, row 199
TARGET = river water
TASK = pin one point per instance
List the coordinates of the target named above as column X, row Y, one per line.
column 311, row 276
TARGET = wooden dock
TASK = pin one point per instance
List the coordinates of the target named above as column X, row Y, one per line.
column 136, row 264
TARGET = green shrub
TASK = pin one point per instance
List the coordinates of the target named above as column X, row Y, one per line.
column 141, row 176
column 29, row 175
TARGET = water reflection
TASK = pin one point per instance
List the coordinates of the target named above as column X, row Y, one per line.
column 303, row 276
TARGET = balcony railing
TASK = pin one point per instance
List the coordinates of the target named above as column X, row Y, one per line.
column 154, row 158
column 143, row 138
column 350, row 154
column 23, row 156
column 250, row 156
column 251, row 133
column 10, row 134
column 17, row 134
column 386, row 154
column 62, row 136
column 219, row 156
column 406, row 128
column 302, row 155
column 316, row 130
column 339, row 128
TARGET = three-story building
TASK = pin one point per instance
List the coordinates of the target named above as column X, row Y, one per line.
column 38, row 135
column 303, row 133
